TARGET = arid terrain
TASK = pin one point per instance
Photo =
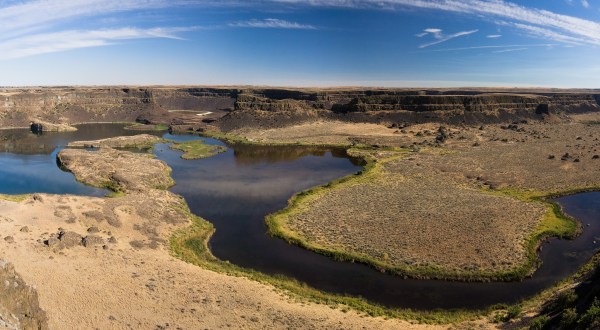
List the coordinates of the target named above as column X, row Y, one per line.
column 453, row 188
column 103, row 262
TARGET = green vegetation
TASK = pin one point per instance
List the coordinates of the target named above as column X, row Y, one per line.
column 227, row 137
column 144, row 127
column 512, row 312
column 13, row 198
column 539, row 322
column 197, row 149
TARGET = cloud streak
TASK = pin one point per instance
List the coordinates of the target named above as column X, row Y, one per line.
column 509, row 50
column 34, row 27
column 44, row 43
column 38, row 26
column 440, row 37
column 585, row 30
column 491, row 47
column 272, row 23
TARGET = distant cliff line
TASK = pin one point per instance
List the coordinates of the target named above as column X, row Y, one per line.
column 249, row 106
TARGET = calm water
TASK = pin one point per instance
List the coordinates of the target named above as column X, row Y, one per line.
column 236, row 189
column 28, row 161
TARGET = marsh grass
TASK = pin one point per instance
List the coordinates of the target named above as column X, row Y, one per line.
column 138, row 126
column 197, row 149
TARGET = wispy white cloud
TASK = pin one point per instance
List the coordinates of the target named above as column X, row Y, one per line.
column 492, row 47
column 440, row 37
column 585, row 4
column 37, row 27
column 493, row 36
column 40, row 13
column 510, row 50
column 541, row 32
column 583, row 29
column 272, row 23
column 44, row 43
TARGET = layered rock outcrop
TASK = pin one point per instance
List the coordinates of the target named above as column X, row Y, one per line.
column 275, row 107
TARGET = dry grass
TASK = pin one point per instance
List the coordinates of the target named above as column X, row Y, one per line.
column 417, row 223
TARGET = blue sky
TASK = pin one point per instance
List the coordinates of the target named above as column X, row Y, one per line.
column 392, row 43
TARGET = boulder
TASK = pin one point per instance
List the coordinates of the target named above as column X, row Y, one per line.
column 69, row 238
column 92, row 241
column 37, row 128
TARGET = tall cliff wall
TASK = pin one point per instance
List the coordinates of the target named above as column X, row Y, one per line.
column 19, row 107
column 279, row 107
column 268, row 108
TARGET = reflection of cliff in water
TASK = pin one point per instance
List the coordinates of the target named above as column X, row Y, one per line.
column 20, row 141
column 23, row 141
column 256, row 154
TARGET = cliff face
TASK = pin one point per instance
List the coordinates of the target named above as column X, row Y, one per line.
column 255, row 107
column 267, row 109
column 19, row 107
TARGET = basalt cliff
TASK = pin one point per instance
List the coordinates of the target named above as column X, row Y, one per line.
column 234, row 107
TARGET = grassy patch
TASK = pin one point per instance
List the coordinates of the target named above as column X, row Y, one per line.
column 227, row 137
column 14, row 198
column 197, row 149
column 145, row 127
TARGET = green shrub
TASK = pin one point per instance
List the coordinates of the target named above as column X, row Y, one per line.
column 568, row 319
column 539, row 322
column 591, row 315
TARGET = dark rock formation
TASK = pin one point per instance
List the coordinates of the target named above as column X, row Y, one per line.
column 69, row 239
column 92, row 241
column 37, row 128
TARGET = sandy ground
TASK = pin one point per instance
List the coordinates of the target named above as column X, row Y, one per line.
column 126, row 278
column 124, row 287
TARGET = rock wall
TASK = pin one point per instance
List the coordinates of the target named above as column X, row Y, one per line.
column 268, row 109
column 274, row 107
column 20, row 107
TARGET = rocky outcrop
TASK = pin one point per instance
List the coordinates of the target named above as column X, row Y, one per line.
column 116, row 170
column 266, row 108
column 19, row 306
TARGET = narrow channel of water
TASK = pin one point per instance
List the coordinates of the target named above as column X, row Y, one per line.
column 236, row 189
